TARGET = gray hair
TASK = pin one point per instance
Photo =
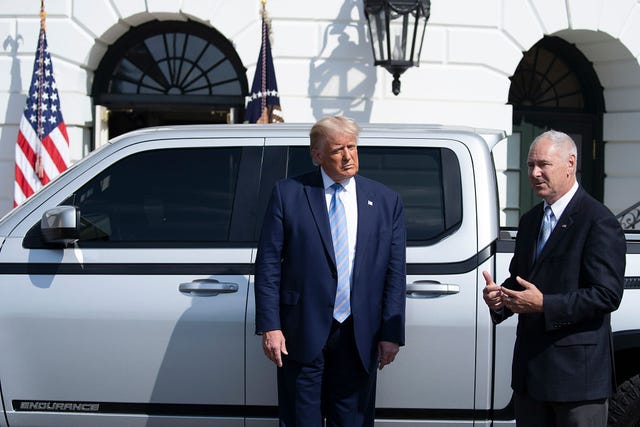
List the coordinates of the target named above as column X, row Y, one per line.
column 560, row 140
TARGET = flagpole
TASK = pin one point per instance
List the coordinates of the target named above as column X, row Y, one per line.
column 40, row 125
column 264, row 100
column 265, row 34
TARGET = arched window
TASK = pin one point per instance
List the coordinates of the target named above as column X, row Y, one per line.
column 182, row 72
column 555, row 87
column 554, row 75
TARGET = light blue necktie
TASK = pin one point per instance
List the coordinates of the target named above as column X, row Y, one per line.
column 548, row 222
column 338, row 222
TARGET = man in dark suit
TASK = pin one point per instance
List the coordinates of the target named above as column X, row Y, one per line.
column 330, row 284
column 566, row 277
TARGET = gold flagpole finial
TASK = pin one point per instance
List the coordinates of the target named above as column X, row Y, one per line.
column 43, row 14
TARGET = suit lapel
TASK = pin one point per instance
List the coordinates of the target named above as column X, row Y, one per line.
column 534, row 229
column 315, row 193
column 318, row 206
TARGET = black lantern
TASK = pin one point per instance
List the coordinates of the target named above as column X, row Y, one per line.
column 397, row 28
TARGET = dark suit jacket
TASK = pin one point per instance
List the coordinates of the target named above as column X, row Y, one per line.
column 565, row 353
column 296, row 275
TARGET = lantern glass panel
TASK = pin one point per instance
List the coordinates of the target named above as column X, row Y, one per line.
column 399, row 49
column 378, row 33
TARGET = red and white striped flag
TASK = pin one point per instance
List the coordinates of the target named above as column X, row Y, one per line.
column 42, row 151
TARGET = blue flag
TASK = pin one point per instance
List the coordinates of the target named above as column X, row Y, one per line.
column 264, row 100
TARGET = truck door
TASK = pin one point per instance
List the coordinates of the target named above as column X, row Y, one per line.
column 433, row 379
column 142, row 322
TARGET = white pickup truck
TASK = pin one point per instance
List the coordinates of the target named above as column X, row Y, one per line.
column 126, row 285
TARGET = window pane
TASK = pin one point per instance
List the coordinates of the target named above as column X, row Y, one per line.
column 299, row 161
column 188, row 60
column 418, row 176
column 178, row 195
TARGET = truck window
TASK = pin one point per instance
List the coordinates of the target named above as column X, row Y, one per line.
column 161, row 197
column 427, row 179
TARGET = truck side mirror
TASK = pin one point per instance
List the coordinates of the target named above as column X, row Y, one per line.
column 60, row 225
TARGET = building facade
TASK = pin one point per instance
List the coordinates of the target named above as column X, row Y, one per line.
column 522, row 66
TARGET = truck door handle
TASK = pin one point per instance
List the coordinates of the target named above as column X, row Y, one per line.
column 208, row 287
column 430, row 289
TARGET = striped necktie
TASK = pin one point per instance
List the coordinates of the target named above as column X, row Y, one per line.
column 338, row 222
column 548, row 222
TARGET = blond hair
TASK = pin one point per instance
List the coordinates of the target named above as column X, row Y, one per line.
column 330, row 126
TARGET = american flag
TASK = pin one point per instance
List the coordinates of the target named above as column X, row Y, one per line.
column 264, row 100
column 42, row 151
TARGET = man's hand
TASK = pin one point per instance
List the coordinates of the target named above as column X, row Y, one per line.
column 530, row 300
column 273, row 346
column 492, row 293
column 386, row 353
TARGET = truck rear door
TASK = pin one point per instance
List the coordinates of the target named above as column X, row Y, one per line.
column 433, row 378
column 433, row 381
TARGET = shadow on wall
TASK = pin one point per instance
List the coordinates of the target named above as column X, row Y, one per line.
column 342, row 82
column 9, row 129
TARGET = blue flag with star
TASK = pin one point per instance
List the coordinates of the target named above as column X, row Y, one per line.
column 264, row 101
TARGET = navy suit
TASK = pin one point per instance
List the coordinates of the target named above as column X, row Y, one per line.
column 296, row 272
column 565, row 354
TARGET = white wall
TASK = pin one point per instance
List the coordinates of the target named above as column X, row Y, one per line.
column 324, row 63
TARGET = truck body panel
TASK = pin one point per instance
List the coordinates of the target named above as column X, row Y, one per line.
column 148, row 319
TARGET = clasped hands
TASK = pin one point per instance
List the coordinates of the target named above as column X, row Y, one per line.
column 529, row 300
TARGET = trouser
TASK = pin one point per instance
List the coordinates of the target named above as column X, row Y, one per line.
column 334, row 386
column 534, row 413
